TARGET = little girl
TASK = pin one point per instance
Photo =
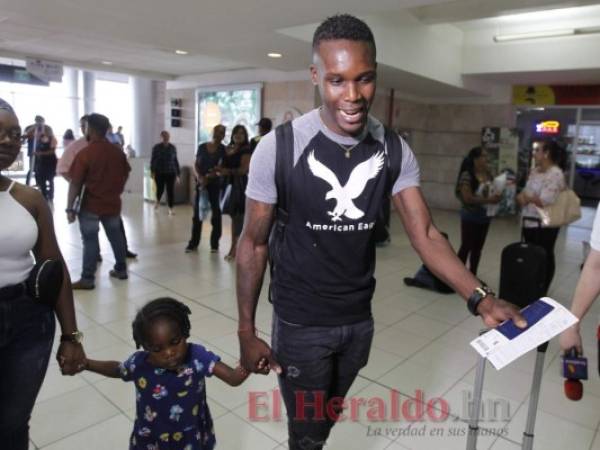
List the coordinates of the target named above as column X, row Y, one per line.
column 171, row 408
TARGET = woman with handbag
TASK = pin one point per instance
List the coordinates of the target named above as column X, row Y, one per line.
column 235, row 170
column 545, row 183
column 30, row 296
column 473, row 189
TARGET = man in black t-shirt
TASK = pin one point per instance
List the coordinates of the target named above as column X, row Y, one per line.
column 342, row 169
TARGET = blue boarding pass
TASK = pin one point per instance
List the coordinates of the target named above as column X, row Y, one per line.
column 545, row 318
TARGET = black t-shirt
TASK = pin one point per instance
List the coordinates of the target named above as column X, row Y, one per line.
column 206, row 161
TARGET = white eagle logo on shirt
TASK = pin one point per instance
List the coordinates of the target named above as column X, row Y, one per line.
column 344, row 195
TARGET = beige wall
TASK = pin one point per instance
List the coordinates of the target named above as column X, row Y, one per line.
column 441, row 135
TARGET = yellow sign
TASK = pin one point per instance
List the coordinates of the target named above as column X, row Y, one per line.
column 533, row 95
column 547, row 127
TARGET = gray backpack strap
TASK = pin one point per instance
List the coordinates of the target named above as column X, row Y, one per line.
column 393, row 150
column 284, row 163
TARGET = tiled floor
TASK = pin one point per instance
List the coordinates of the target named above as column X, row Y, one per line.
column 421, row 343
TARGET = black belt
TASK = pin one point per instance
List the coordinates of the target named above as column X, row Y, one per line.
column 12, row 292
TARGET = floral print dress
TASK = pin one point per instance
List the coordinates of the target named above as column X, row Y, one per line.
column 171, row 408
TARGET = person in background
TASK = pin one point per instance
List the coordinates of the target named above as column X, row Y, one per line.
column 586, row 292
column 32, row 135
column 235, row 170
column 209, row 157
column 45, row 164
column 27, row 325
column 71, row 150
column 473, row 189
column 545, row 182
column 164, row 168
column 103, row 170
column 66, row 161
column 113, row 138
column 68, row 139
column 264, row 126
column 120, row 137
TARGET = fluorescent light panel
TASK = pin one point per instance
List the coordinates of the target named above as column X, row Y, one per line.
column 534, row 35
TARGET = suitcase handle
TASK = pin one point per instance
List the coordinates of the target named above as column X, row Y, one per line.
column 529, row 219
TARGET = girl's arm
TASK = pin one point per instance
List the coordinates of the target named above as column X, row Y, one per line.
column 106, row 368
column 233, row 377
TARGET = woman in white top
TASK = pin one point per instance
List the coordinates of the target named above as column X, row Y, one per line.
column 545, row 182
column 587, row 290
column 26, row 325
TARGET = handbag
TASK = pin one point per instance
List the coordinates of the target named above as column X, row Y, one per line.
column 565, row 210
column 203, row 205
column 45, row 281
column 233, row 198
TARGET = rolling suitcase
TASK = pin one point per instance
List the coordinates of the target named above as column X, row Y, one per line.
column 522, row 281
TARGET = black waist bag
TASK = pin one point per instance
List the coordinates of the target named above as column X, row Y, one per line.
column 45, row 281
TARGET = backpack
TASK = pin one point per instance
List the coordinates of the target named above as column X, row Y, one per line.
column 284, row 164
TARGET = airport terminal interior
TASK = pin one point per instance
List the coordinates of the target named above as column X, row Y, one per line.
column 451, row 75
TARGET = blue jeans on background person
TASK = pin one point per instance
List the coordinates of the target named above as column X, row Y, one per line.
column 89, row 225
column 313, row 359
column 26, row 337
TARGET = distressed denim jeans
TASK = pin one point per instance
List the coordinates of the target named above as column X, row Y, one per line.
column 26, row 336
column 319, row 363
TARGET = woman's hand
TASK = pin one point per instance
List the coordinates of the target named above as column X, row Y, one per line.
column 571, row 338
column 494, row 199
column 71, row 358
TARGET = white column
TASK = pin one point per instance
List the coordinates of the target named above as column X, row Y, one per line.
column 71, row 80
column 145, row 111
column 89, row 92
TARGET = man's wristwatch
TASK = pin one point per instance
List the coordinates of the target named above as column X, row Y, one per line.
column 477, row 297
column 75, row 337
column 69, row 210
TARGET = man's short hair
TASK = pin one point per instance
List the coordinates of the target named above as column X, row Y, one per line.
column 84, row 118
column 344, row 26
column 98, row 123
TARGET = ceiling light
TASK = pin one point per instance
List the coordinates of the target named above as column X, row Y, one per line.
column 107, row 63
column 534, row 35
column 181, row 52
column 274, row 55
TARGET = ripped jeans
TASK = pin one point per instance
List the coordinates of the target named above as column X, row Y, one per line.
column 319, row 363
column 26, row 336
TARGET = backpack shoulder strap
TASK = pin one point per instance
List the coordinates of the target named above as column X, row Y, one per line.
column 284, row 163
column 393, row 149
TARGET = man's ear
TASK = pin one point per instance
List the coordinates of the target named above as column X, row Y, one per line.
column 314, row 74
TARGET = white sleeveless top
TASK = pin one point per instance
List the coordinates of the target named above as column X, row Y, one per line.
column 18, row 235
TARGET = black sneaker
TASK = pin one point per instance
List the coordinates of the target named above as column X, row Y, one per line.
column 82, row 285
column 191, row 249
column 130, row 254
column 121, row 275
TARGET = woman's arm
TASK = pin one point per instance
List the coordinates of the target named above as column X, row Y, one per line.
column 244, row 165
column 70, row 354
column 552, row 186
column 233, row 377
column 467, row 196
column 587, row 290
